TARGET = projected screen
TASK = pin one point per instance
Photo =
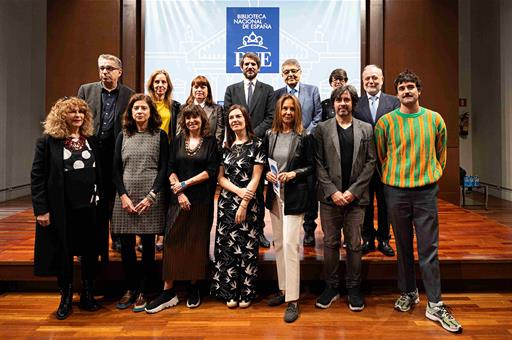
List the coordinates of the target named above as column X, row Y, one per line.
column 190, row 38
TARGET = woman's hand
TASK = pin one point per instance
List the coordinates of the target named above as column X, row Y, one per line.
column 178, row 187
column 241, row 214
column 43, row 220
column 245, row 194
column 127, row 204
column 184, row 202
column 143, row 206
column 284, row 177
column 271, row 177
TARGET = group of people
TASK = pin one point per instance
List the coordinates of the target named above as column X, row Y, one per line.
column 145, row 165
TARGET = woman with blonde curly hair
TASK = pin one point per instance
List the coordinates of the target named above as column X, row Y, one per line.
column 64, row 181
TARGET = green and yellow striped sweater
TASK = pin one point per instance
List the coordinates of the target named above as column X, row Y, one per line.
column 411, row 147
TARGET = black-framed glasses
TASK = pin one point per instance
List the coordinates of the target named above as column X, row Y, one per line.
column 107, row 68
column 292, row 71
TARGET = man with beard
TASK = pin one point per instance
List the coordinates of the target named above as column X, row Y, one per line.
column 411, row 146
column 345, row 161
column 258, row 98
column 107, row 99
column 309, row 99
column 370, row 108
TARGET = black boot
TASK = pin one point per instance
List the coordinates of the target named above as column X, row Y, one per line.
column 87, row 301
column 66, row 301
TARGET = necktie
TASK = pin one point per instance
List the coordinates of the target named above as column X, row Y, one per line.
column 249, row 94
column 373, row 107
column 293, row 92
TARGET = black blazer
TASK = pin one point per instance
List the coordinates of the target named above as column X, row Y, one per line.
column 91, row 93
column 48, row 195
column 262, row 105
column 387, row 104
column 296, row 193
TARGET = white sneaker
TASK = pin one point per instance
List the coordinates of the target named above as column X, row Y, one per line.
column 231, row 303
column 244, row 304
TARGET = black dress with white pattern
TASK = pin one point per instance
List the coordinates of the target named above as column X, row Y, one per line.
column 236, row 245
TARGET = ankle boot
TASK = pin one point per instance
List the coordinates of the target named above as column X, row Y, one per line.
column 66, row 301
column 87, row 300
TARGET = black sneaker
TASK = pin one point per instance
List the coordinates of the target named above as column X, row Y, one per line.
column 276, row 300
column 355, row 299
column 292, row 312
column 166, row 299
column 193, row 297
column 328, row 296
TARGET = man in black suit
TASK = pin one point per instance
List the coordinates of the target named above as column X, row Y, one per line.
column 107, row 100
column 371, row 106
column 337, row 78
column 258, row 98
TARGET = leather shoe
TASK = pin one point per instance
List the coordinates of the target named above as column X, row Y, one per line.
column 264, row 243
column 386, row 249
column 66, row 302
column 309, row 239
column 367, row 247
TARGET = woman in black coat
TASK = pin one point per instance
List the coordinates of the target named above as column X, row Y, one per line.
column 64, row 181
column 291, row 148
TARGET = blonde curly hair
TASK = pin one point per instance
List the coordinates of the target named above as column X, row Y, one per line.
column 55, row 123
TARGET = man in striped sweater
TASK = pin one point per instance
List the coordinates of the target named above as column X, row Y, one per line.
column 411, row 146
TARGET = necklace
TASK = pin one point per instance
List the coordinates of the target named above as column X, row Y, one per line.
column 192, row 152
column 74, row 143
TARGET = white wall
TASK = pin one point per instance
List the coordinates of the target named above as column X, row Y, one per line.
column 22, row 90
column 465, row 144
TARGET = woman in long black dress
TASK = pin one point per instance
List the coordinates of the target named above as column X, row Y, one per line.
column 140, row 167
column 64, row 195
column 193, row 161
column 236, row 240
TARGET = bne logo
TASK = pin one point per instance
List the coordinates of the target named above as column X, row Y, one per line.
column 253, row 40
column 252, row 29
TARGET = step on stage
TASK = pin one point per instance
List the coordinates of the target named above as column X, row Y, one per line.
column 471, row 248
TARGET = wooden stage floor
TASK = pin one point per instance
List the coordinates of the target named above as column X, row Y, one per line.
column 471, row 246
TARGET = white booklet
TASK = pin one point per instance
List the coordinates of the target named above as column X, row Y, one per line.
column 275, row 170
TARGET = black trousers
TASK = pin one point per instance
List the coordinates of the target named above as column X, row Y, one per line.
column 383, row 226
column 415, row 210
column 106, row 155
column 138, row 275
column 312, row 213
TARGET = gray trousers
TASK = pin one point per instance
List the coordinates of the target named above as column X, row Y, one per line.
column 408, row 207
column 334, row 220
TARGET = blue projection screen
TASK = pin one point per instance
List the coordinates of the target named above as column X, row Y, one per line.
column 190, row 38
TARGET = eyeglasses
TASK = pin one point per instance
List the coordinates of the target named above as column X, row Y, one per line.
column 107, row 68
column 292, row 71
column 341, row 80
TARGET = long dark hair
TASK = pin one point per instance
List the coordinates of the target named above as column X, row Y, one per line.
column 154, row 120
column 230, row 135
column 193, row 111
column 200, row 81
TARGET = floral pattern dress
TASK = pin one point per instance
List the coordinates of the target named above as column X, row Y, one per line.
column 236, row 245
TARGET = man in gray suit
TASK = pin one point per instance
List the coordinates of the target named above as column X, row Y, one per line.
column 345, row 161
column 107, row 100
column 309, row 98
column 370, row 108
column 258, row 98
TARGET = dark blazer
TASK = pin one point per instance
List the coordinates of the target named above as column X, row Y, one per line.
column 91, row 93
column 327, row 110
column 262, row 104
column 173, row 128
column 387, row 104
column 216, row 121
column 310, row 105
column 296, row 193
column 48, row 195
column 328, row 161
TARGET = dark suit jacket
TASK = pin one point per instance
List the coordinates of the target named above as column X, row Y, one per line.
column 91, row 93
column 262, row 104
column 387, row 104
column 328, row 161
column 309, row 99
column 48, row 196
column 327, row 111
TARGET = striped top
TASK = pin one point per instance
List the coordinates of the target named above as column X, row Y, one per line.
column 411, row 147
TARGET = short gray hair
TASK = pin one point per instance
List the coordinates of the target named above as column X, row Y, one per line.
column 293, row 62
column 113, row 58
